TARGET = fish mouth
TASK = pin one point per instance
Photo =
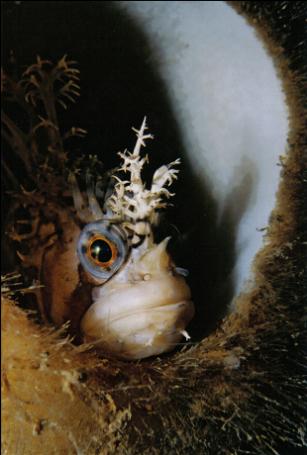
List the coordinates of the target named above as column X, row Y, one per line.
column 176, row 306
column 135, row 317
column 177, row 314
column 138, row 335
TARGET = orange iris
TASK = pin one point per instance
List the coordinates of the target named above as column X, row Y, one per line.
column 101, row 251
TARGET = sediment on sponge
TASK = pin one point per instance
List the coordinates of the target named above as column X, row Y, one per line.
column 72, row 398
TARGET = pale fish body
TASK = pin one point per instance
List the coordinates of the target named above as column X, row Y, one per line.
column 143, row 310
column 141, row 301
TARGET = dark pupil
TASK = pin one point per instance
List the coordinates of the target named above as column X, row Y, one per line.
column 101, row 251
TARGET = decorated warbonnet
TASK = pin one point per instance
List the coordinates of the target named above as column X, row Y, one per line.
column 141, row 301
column 97, row 264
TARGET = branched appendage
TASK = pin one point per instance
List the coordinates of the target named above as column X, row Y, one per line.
column 131, row 200
column 41, row 87
column 38, row 195
column 39, row 82
column 40, row 78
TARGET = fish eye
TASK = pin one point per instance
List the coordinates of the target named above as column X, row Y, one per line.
column 102, row 249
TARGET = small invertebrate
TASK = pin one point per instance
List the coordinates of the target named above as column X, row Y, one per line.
column 141, row 302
